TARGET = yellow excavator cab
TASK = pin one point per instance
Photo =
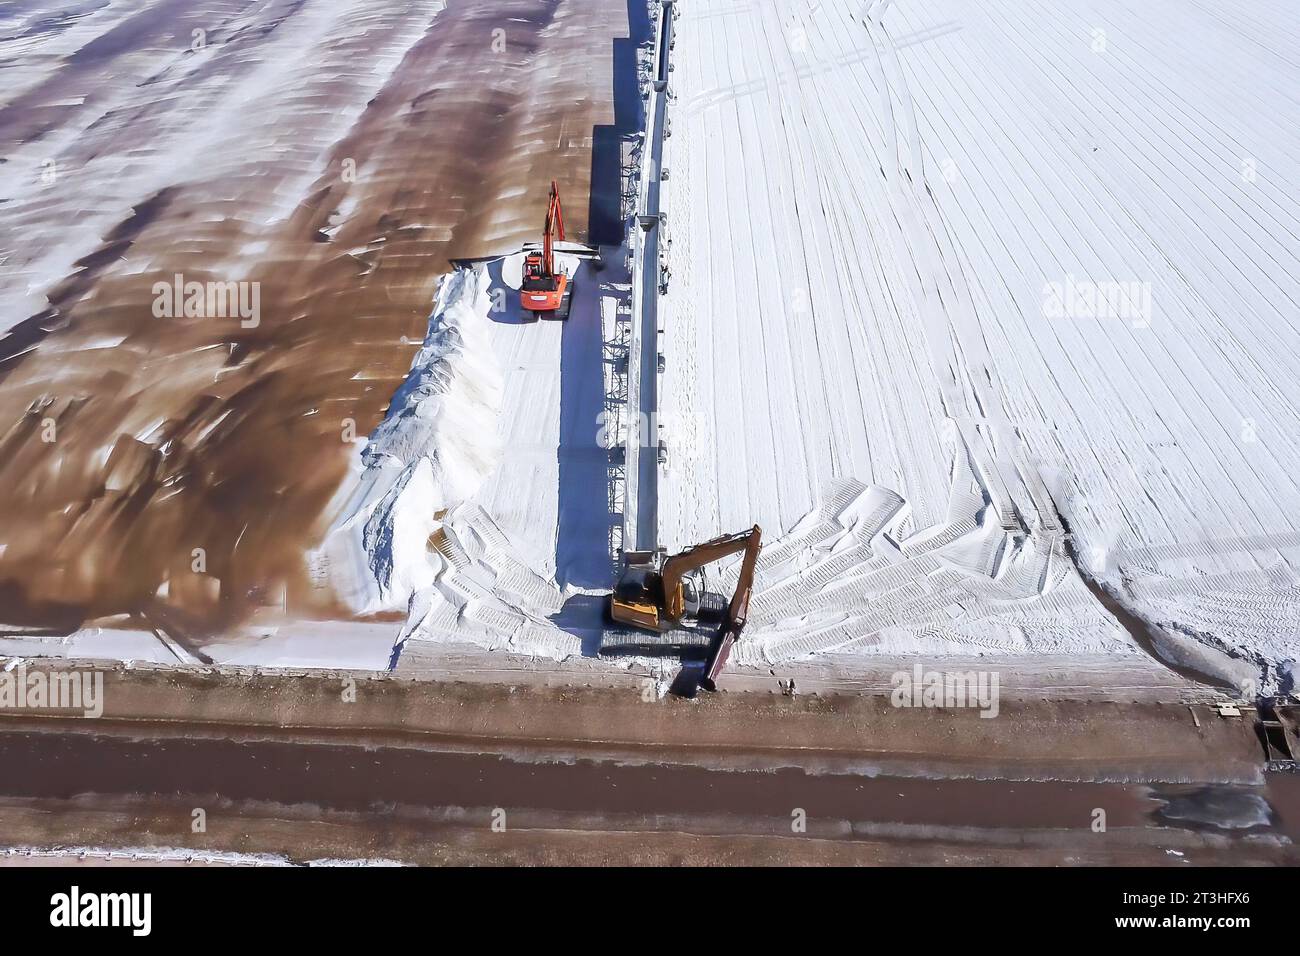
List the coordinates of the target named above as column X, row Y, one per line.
column 638, row 598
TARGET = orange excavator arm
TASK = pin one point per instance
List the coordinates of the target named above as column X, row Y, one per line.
column 554, row 228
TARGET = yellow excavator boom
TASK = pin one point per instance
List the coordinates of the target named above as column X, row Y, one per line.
column 679, row 565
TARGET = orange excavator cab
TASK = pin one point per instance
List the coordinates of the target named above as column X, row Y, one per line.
column 546, row 290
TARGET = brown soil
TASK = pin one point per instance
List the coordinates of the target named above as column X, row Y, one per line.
column 119, row 462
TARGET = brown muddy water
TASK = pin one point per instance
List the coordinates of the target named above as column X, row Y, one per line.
column 590, row 793
column 333, row 156
column 355, row 779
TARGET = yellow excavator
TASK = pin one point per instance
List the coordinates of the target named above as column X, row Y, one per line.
column 659, row 597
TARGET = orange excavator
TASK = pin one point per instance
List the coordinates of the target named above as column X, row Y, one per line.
column 546, row 290
column 660, row 597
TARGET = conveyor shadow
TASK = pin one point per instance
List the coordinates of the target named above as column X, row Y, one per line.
column 582, row 556
column 582, row 547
